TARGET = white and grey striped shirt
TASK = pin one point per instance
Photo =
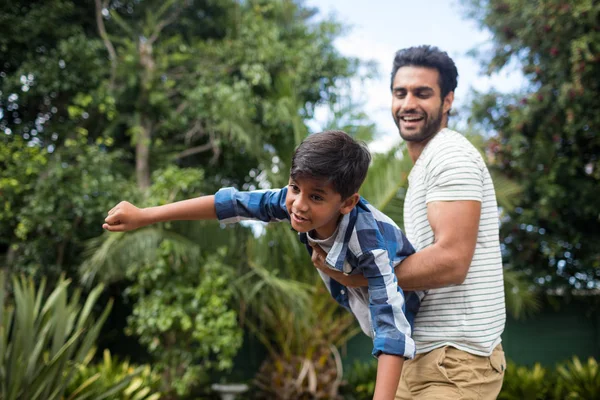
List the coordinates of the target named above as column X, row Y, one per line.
column 470, row 316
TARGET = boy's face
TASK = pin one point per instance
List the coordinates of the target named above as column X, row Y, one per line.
column 314, row 205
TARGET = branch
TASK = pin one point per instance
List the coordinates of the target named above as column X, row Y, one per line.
column 195, row 150
column 211, row 145
column 164, row 23
column 189, row 135
column 112, row 54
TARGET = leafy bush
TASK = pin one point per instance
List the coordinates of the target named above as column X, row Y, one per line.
column 303, row 359
column 112, row 377
column 523, row 383
column 579, row 381
column 183, row 317
column 571, row 380
column 360, row 382
column 43, row 340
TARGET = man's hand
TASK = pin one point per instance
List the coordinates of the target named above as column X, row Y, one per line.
column 318, row 260
column 124, row 217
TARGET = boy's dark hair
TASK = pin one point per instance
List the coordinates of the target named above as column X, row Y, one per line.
column 429, row 57
column 335, row 157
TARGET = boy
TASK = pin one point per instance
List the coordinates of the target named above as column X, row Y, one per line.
column 323, row 205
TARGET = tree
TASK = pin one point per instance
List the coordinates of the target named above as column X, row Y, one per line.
column 152, row 84
column 546, row 138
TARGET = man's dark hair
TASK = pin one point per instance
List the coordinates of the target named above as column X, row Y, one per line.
column 429, row 57
column 335, row 157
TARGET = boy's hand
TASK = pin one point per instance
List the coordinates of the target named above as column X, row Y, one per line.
column 124, row 217
column 318, row 259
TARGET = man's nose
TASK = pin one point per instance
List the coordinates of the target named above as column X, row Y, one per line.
column 409, row 103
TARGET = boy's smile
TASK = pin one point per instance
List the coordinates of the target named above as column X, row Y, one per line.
column 314, row 205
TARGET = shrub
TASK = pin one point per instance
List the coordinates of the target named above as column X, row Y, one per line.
column 360, row 382
column 579, row 381
column 523, row 383
column 120, row 379
column 43, row 340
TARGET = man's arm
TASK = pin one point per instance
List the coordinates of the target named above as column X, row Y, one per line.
column 126, row 217
column 455, row 225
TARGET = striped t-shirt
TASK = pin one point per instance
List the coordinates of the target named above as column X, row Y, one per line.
column 470, row 316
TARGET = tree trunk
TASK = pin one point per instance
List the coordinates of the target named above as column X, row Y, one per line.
column 142, row 153
column 144, row 135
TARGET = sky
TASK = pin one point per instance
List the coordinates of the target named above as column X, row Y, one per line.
column 378, row 28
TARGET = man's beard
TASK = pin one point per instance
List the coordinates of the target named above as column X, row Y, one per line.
column 432, row 126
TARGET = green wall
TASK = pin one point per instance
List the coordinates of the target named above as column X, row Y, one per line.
column 555, row 334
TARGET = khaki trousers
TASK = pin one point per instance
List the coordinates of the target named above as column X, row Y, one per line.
column 449, row 373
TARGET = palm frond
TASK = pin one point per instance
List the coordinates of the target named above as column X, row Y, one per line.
column 521, row 298
column 507, row 191
column 386, row 182
column 108, row 255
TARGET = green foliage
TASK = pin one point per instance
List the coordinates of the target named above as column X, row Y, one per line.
column 579, row 381
column 545, row 137
column 61, row 198
column 113, row 378
column 131, row 89
column 182, row 315
column 44, row 339
column 360, row 381
column 20, row 167
column 387, row 181
column 522, row 383
column 303, row 358
column 180, row 288
column 570, row 380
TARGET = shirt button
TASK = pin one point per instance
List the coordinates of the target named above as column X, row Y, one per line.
column 342, row 291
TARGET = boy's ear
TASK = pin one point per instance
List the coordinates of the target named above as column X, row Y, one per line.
column 349, row 203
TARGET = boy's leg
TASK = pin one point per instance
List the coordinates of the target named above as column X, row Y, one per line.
column 449, row 373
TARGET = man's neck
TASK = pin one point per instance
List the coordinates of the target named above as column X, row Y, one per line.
column 416, row 148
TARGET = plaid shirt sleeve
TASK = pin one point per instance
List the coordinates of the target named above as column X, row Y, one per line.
column 264, row 205
column 392, row 330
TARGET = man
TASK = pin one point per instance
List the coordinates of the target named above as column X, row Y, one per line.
column 451, row 218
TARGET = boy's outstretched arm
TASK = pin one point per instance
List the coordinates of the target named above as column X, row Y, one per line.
column 389, row 369
column 127, row 217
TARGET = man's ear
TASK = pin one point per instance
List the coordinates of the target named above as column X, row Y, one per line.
column 349, row 203
column 448, row 100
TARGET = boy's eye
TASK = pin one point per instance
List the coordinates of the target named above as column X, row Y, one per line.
column 293, row 187
column 316, row 197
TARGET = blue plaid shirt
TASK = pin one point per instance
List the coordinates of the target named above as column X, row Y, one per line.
column 367, row 242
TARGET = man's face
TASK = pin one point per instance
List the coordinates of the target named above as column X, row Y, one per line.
column 315, row 205
column 417, row 106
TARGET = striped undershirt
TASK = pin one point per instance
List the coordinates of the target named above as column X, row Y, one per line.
column 470, row 316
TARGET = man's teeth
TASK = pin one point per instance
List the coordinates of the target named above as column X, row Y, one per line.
column 411, row 118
